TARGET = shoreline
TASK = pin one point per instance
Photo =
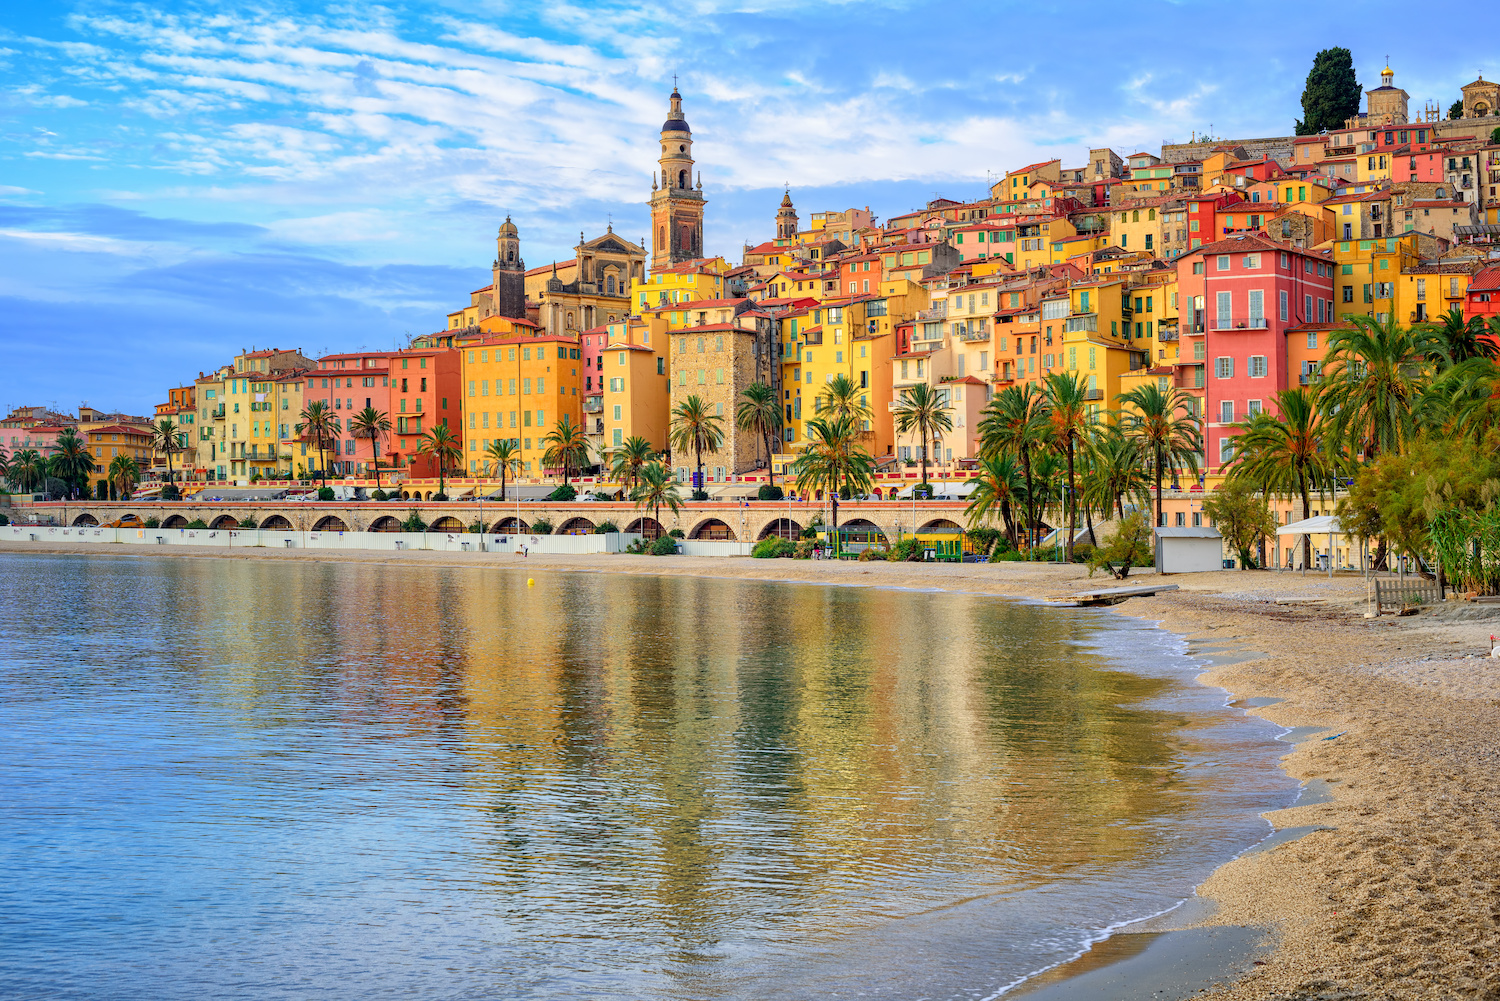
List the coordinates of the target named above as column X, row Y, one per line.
column 1390, row 888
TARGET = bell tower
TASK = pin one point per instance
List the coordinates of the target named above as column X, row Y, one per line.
column 676, row 205
column 786, row 218
column 509, row 272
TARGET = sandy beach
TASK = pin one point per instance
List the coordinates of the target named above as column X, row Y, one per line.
column 1395, row 892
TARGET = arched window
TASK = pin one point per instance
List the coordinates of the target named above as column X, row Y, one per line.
column 609, row 285
column 682, row 179
column 1150, row 214
column 661, row 238
column 1135, row 216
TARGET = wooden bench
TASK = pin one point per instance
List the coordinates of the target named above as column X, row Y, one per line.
column 1395, row 595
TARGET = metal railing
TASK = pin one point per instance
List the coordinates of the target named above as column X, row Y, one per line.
column 938, row 312
column 1242, row 323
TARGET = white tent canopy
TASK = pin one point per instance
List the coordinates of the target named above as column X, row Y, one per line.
column 1325, row 524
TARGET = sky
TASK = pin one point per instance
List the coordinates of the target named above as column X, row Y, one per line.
column 183, row 181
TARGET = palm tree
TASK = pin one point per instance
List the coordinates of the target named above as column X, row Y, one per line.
column 1456, row 340
column 124, row 473
column 4, row 464
column 696, row 427
column 567, row 446
column 28, row 471
column 70, row 460
column 164, row 438
column 1373, row 375
column 506, row 456
column 654, row 487
column 629, row 458
column 833, row 461
column 1072, row 425
column 759, row 413
column 999, row 485
column 1292, row 451
column 374, row 425
column 1015, row 423
column 923, row 409
column 317, row 424
column 1163, row 423
column 444, row 447
column 1116, row 470
column 841, row 397
column 1462, row 402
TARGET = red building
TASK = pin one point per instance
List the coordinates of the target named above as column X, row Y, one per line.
column 348, row 383
column 1424, row 164
column 1240, row 296
column 1483, row 297
column 1203, row 216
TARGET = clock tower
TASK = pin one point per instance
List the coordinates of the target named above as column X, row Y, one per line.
column 676, row 204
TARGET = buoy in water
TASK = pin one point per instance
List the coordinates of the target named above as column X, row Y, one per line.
column 530, row 582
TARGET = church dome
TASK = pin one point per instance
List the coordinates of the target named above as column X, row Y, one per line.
column 507, row 228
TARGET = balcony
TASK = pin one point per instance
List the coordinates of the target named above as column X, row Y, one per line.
column 938, row 312
column 1309, row 379
column 1241, row 323
column 1094, row 394
column 969, row 336
column 593, row 404
column 1166, row 332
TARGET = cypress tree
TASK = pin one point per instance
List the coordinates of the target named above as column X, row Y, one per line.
column 1332, row 93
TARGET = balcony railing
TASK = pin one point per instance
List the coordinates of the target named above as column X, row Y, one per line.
column 938, row 312
column 1094, row 394
column 973, row 335
column 593, row 405
column 1166, row 333
column 1241, row 323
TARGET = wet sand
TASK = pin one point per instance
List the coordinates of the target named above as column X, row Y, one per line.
column 1392, row 889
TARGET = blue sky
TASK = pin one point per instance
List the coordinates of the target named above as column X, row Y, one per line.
column 179, row 181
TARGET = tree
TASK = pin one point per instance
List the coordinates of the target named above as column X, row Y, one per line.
column 28, row 471
column 1015, row 423
column 1242, row 517
column 999, row 484
column 506, row 456
column 759, row 413
column 1292, row 451
column 317, row 424
column 1462, row 401
column 1072, row 424
column 567, row 446
column 627, row 461
column 1455, row 340
column 923, row 409
column 374, row 425
column 444, row 447
column 1456, row 110
column 833, row 461
column 1331, row 94
column 4, row 465
column 1495, row 137
column 71, row 462
column 1128, row 547
column 1373, row 374
column 124, row 473
column 164, row 438
column 1116, row 470
column 1166, row 427
column 842, row 397
column 654, row 487
column 696, row 428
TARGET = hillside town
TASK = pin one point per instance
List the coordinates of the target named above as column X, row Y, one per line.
column 1214, row 275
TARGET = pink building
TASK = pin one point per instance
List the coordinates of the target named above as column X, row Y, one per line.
column 1241, row 295
column 349, row 383
column 591, row 343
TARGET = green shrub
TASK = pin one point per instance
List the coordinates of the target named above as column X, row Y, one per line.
column 476, row 527
column 196, row 523
column 1130, row 546
column 170, row 492
column 414, row 523
column 773, row 548
column 804, row 549
column 4, row 520
column 1006, row 556
column 906, row 551
column 700, row 495
column 983, row 539
column 1082, row 552
column 379, row 494
column 325, row 493
column 566, row 492
column 439, row 496
column 872, row 553
column 769, row 492
column 664, row 546
column 922, row 491
column 152, row 522
column 606, row 528
column 677, row 533
column 541, row 527
column 639, row 546
column 101, row 490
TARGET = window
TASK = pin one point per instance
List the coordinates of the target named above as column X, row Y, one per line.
column 1226, row 450
column 1223, row 368
column 1226, row 412
column 1282, row 304
column 1223, row 306
column 1252, row 408
column 1222, row 262
column 1348, row 293
column 1257, row 366
column 1251, row 262
column 1257, row 308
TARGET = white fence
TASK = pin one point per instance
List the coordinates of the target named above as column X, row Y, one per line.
column 451, row 542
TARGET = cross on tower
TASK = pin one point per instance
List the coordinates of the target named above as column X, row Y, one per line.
column 674, row 81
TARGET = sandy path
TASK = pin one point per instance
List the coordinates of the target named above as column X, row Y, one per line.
column 1400, row 896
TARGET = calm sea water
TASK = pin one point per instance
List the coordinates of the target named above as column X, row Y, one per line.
column 282, row 780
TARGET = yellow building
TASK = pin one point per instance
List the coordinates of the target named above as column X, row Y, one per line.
column 1367, row 272
column 1427, row 291
column 636, row 401
column 688, row 282
column 517, row 387
column 106, row 442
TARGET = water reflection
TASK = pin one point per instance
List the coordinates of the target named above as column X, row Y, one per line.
column 601, row 786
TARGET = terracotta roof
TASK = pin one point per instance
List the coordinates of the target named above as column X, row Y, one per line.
column 967, row 380
column 1486, row 280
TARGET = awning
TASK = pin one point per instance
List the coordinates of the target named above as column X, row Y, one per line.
column 1322, row 525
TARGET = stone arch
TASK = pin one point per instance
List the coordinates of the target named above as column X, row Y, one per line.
column 276, row 523
column 647, row 526
column 941, row 525
column 330, row 523
column 862, row 530
column 511, row 525
column 405, row 495
column 783, row 528
column 85, row 521
column 176, row 521
column 576, row 526
column 224, row 522
column 713, row 530
column 386, row 523
column 447, row 523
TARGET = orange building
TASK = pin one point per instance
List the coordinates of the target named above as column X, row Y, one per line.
column 425, row 392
